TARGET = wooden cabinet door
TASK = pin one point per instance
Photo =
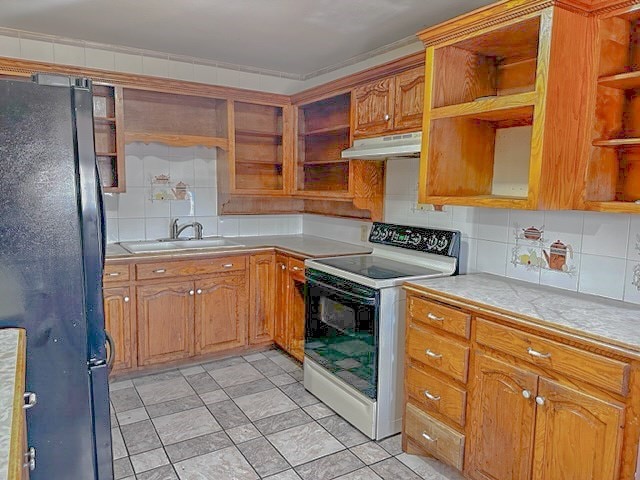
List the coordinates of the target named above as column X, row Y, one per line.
column 281, row 328
column 409, row 99
column 119, row 322
column 373, row 108
column 296, row 316
column 262, row 297
column 578, row 437
column 165, row 322
column 502, row 421
column 221, row 313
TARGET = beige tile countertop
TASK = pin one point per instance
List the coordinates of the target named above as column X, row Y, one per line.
column 11, row 359
column 610, row 321
column 305, row 245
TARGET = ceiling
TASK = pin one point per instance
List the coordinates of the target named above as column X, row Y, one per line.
column 290, row 36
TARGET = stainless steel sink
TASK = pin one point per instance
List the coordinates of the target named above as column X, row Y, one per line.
column 168, row 245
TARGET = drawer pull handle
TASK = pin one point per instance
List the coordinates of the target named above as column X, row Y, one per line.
column 428, row 437
column 30, row 400
column 296, row 269
column 160, row 270
column 540, row 400
column 199, row 291
column 191, row 292
column 114, row 274
column 431, row 396
column 431, row 316
column 431, row 354
column 536, row 354
column 227, row 265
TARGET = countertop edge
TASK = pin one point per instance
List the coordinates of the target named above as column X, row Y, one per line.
column 597, row 341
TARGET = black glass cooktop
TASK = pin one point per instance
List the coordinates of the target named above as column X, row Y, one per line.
column 375, row 267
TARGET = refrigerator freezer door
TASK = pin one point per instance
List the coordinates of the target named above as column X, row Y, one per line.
column 42, row 272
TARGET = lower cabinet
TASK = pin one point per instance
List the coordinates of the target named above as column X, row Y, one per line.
column 118, row 319
column 221, row 313
column 290, row 310
column 262, row 271
column 165, row 322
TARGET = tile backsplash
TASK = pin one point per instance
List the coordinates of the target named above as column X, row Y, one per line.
column 136, row 215
column 590, row 252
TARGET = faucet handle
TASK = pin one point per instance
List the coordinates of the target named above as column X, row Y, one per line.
column 197, row 227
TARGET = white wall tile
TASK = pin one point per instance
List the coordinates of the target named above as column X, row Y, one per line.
column 632, row 282
column 440, row 219
column 154, row 66
column 463, row 219
column 125, row 62
column 492, row 257
column 564, row 280
column 268, row 225
column 182, row 170
column 156, row 228
column 9, row 46
column 493, row 224
column 605, row 234
column 209, row 226
column 206, row 202
column 183, row 208
column 36, row 50
column 248, row 226
column 205, row 172
column 131, row 229
column 102, row 59
column 180, row 70
column 228, row 226
column 68, row 55
column 111, row 201
column 522, row 219
column 154, row 166
column 565, row 226
column 205, row 74
column 529, row 272
column 131, row 203
column 134, row 171
column 295, row 224
column 633, row 250
column 602, row 276
column 468, row 255
column 157, row 208
column 112, row 229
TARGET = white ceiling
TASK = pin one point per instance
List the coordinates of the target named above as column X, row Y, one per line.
column 291, row 36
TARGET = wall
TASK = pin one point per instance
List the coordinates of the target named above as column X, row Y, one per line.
column 605, row 247
column 133, row 215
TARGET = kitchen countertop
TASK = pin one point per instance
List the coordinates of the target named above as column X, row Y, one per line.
column 610, row 321
column 306, row 245
column 10, row 360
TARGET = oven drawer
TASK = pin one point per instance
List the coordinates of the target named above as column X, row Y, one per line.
column 148, row 271
column 435, row 395
column 115, row 273
column 443, row 354
column 438, row 439
column 440, row 316
column 601, row 371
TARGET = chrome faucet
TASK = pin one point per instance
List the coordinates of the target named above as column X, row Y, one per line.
column 176, row 230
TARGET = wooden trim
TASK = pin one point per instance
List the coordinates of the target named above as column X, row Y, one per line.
column 177, row 140
column 18, row 435
column 345, row 84
column 24, row 68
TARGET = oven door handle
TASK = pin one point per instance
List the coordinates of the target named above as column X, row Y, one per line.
column 354, row 296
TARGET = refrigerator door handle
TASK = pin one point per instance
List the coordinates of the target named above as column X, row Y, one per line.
column 111, row 351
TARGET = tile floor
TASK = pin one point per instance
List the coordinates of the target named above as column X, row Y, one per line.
column 245, row 418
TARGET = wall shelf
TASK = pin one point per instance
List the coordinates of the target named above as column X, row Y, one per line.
column 327, row 130
column 498, row 108
column 617, row 142
column 177, row 140
column 621, row 81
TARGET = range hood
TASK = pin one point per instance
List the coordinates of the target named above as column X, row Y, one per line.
column 405, row 145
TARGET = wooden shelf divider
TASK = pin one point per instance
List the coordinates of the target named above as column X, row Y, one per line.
column 256, row 133
column 497, row 108
column 621, row 81
column 326, row 130
column 617, row 142
column 106, row 154
column 177, row 140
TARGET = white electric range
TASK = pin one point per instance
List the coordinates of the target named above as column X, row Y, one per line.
column 355, row 324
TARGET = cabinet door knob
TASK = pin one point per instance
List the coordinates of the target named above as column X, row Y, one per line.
column 431, row 396
column 431, row 316
column 536, row 354
column 30, row 400
column 126, row 299
column 526, row 394
column 432, row 354
column 160, row 270
column 199, row 291
column 540, row 400
column 387, row 117
column 191, row 292
column 428, row 437
column 282, row 266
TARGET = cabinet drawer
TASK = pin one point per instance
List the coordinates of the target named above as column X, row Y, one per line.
column 443, row 354
column 439, row 316
column 147, row 271
column 115, row 273
column 438, row 439
column 435, row 395
column 586, row 366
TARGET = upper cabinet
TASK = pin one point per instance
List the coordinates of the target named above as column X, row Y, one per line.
column 109, row 137
column 502, row 117
column 391, row 104
column 613, row 167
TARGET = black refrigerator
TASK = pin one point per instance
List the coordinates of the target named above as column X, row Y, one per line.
column 51, row 261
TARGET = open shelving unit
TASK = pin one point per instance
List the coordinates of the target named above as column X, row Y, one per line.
column 323, row 133
column 613, row 168
column 109, row 138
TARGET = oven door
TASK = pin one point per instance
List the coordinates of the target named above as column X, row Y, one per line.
column 341, row 333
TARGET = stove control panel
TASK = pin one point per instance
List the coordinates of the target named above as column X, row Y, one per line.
column 440, row 242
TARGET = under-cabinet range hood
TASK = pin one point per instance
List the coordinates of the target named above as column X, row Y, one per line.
column 405, row 145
